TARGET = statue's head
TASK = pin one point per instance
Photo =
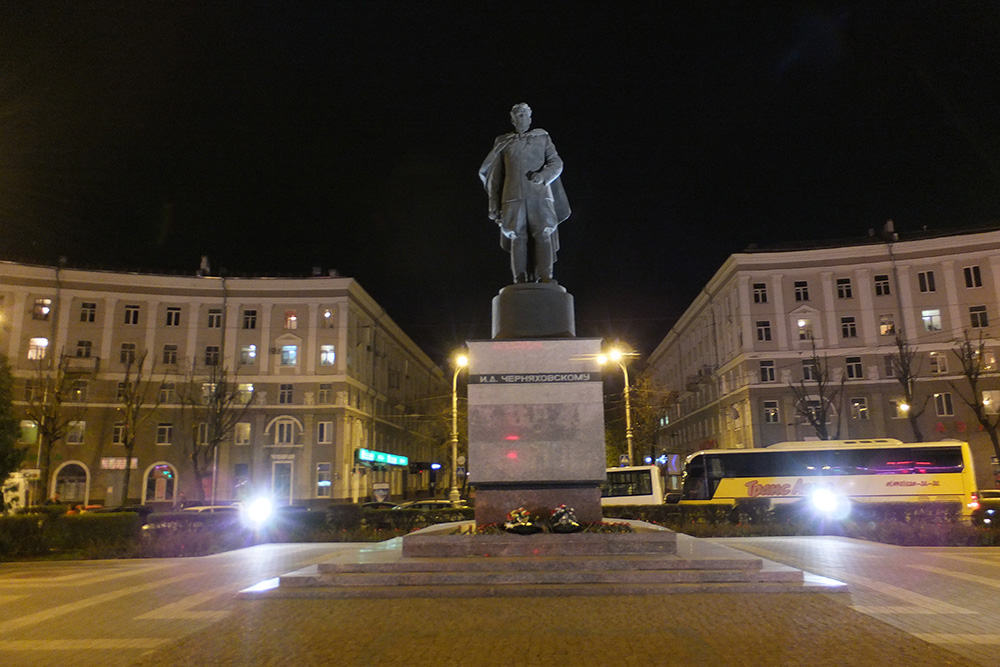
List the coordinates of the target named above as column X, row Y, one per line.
column 520, row 117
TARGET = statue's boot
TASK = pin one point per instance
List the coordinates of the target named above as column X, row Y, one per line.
column 519, row 258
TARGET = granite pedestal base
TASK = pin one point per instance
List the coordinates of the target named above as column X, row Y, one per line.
column 536, row 426
column 533, row 310
column 493, row 502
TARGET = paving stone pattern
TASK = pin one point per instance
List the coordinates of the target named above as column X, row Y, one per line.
column 712, row 629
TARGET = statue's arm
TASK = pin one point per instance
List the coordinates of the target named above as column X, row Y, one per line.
column 553, row 165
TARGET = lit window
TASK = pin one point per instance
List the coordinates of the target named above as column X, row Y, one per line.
column 991, row 401
column 127, row 354
column 942, row 404
column 925, row 281
column 886, row 325
column 289, row 355
column 854, row 368
column 241, row 434
column 882, row 285
column 37, row 348
column 84, row 348
column 211, row 355
column 900, row 408
column 29, row 431
column 74, row 432
column 164, row 433
column 859, row 408
column 931, row 319
column 214, row 318
column 844, row 290
column 324, row 433
column 327, row 320
column 244, row 393
column 170, row 354
column 285, row 393
column 764, row 330
column 771, row 414
column 42, row 309
column 88, row 311
column 805, row 329
column 848, row 327
column 173, row 316
column 291, row 319
column 323, row 480
column 248, row 355
column 131, row 314
column 767, row 371
column 78, row 391
column 327, row 355
column 249, row 319
column 801, row 290
column 939, row 363
column 760, row 293
column 978, row 318
column 972, row 276
column 208, row 392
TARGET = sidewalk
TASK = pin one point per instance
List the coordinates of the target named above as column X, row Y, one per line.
column 720, row 630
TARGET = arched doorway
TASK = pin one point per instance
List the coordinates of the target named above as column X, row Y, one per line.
column 160, row 483
column 71, row 483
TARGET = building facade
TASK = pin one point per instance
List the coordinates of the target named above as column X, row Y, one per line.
column 329, row 372
column 765, row 316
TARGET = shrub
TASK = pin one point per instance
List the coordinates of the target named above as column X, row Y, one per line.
column 401, row 522
column 92, row 532
column 344, row 516
column 21, row 535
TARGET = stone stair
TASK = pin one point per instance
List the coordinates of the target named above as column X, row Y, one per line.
column 435, row 563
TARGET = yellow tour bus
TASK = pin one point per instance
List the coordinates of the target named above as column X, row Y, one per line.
column 831, row 474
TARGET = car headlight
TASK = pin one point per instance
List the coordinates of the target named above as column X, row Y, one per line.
column 830, row 504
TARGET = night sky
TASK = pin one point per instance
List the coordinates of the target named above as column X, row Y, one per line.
column 275, row 137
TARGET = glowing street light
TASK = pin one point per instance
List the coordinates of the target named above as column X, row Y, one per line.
column 461, row 361
column 618, row 357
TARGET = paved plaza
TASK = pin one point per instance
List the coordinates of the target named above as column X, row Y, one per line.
column 906, row 606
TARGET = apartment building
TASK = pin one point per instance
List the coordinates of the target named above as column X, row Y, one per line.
column 765, row 315
column 333, row 379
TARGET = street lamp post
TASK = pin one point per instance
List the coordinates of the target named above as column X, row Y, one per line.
column 618, row 357
column 461, row 361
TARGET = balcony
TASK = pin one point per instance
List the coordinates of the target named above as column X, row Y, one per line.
column 83, row 364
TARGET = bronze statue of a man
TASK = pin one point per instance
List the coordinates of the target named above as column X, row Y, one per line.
column 526, row 197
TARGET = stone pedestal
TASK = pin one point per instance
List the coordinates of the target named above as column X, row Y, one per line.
column 533, row 310
column 536, row 426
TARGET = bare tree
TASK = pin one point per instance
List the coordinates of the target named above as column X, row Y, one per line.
column 132, row 398
column 214, row 404
column 819, row 396
column 976, row 371
column 906, row 368
column 49, row 392
column 649, row 401
column 10, row 454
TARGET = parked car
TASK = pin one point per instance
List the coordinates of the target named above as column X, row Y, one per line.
column 988, row 512
column 379, row 505
column 213, row 509
column 428, row 504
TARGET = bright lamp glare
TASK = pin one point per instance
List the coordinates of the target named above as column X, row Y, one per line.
column 259, row 510
column 830, row 504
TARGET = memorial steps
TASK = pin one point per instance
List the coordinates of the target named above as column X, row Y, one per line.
column 652, row 561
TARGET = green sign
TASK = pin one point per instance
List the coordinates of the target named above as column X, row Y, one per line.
column 382, row 457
